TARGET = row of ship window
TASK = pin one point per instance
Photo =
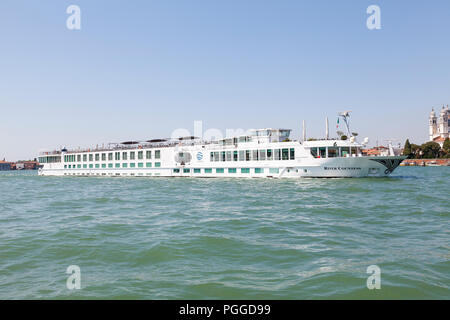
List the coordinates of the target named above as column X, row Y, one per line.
column 109, row 174
column 117, row 156
column 112, row 165
column 222, row 170
column 333, row 152
column 253, row 155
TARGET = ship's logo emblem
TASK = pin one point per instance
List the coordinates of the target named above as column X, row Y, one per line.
column 199, row 156
column 390, row 164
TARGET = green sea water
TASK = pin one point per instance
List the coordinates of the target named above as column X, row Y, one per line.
column 182, row 238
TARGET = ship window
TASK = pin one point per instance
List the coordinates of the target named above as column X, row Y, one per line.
column 211, row 156
column 274, row 170
column 208, row 170
column 91, row 157
column 124, row 165
column 322, row 152
column 103, row 165
column 97, row 165
column 140, row 155
column 110, row 156
column 222, row 156
column 235, row 156
column 65, row 166
column 269, row 154
column 132, row 165
column 91, row 165
column 140, row 165
column 333, row 152
column 117, row 156
column 231, row 170
column 292, row 154
column 255, row 155
column 103, row 156
column 259, row 170
column 84, row 165
column 314, row 152
column 148, row 164
column 148, row 154
column 247, row 155
column 220, row 170
column 197, row 170
column 157, row 164
column 241, row 155
column 157, row 154
column 344, row 151
column 285, row 154
column 176, row 170
column 186, row 170
column 277, row 154
column 110, row 165
column 132, row 155
column 124, row 155
column 245, row 170
column 79, row 158
column 97, row 157
column 228, row 155
column 216, row 156
column 262, row 154
column 84, row 157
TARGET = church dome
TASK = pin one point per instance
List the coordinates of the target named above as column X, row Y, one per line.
column 432, row 114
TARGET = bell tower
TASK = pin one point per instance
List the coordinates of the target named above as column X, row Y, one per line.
column 432, row 124
column 443, row 123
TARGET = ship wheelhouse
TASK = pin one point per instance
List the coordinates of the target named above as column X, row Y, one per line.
column 333, row 148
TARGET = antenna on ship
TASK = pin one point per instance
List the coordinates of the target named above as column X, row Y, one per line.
column 326, row 130
column 345, row 116
column 304, row 131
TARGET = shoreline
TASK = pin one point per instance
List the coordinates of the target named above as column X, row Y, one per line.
column 425, row 162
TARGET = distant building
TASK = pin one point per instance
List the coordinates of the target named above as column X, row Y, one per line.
column 19, row 165
column 26, row 165
column 376, row 151
column 5, row 166
column 439, row 128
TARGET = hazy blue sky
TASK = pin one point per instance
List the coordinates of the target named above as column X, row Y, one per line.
column 140, row 69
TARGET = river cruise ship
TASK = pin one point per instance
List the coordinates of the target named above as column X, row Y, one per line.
column 268, row 153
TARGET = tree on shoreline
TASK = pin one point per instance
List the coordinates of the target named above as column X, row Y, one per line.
column 407, row 149
column 446, row 146
column 428, row 150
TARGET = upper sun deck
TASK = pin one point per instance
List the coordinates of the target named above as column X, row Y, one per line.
column 267, row 135
column 332, row 143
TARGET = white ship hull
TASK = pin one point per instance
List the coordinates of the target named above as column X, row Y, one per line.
column 254, row 159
